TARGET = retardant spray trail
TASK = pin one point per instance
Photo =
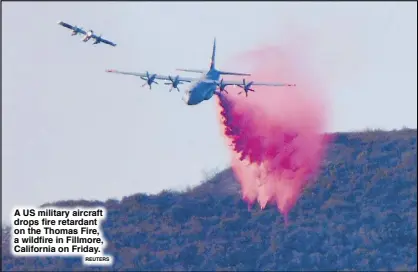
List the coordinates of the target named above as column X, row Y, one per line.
column 276, row 134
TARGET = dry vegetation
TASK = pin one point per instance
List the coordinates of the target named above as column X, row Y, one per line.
column 359, row 215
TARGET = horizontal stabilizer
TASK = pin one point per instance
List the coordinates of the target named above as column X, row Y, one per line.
column 192, row 70
column 233, row 73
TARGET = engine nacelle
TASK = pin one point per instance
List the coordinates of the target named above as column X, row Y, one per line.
column 149, row 79
column 97, row 40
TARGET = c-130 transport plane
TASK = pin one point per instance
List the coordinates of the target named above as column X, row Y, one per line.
column 202, row 88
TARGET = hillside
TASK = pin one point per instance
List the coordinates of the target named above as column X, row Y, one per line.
column 359, row 215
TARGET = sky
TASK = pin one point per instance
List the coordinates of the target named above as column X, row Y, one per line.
column 72, row 131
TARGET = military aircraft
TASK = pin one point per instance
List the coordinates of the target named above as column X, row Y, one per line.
column 206, row 86
column 87, row 34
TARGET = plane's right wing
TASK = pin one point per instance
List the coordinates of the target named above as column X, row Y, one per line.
column 79, row 30
column 66, row 25
column 156, row 76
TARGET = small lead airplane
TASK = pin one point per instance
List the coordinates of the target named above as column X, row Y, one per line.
column 87, row 35
column 202, row 88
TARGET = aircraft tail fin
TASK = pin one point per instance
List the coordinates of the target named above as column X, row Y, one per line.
column 212, row 63
column 212, row 60
column 212, row 66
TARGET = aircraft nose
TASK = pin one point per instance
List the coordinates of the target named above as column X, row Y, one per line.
column 186, row 98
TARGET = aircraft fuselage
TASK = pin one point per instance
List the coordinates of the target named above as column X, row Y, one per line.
column 200, row 90
column 88, row 36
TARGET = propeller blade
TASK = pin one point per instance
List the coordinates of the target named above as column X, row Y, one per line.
column 178, row 89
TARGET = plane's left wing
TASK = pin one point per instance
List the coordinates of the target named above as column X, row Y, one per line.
column 241, row 83
column 103, row 40
column 107, row 42
column 156, row 76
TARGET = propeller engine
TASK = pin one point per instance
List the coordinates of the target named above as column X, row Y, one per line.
column 174, row 83
column 222, row 86
column 75, row 31
column 149, row 80
column 246, row 87
column 98, row 39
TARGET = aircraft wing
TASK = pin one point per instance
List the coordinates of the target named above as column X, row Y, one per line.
column 240, row 83
column 107, row 42
column 145, row 75
column 79, row 30
column 94, row 36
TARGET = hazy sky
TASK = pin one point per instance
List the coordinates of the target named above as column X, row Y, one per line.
column 72, row 131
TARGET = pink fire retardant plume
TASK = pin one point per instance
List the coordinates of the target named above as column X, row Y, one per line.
column 276, row 133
